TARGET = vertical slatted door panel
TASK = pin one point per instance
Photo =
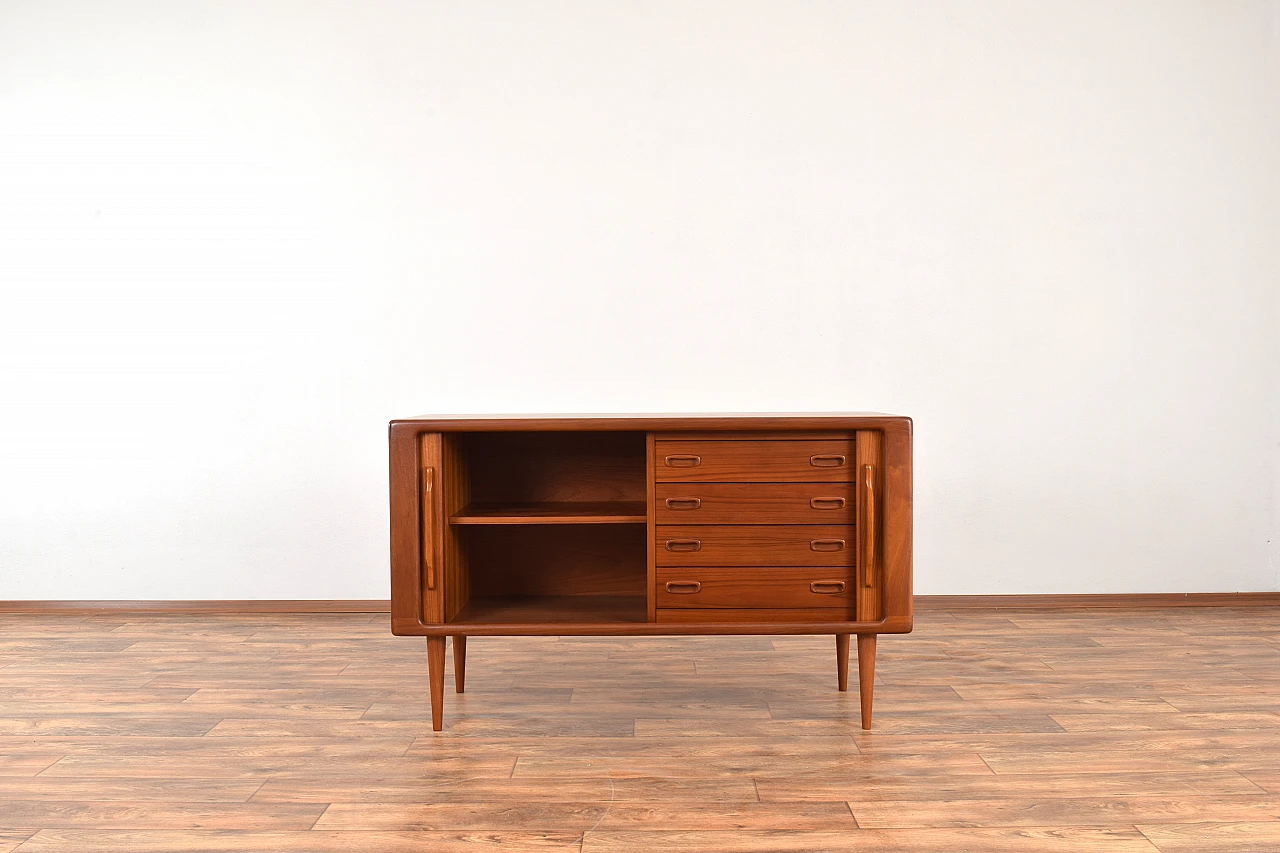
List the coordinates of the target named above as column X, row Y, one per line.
column 455, row 494
column 870, row 524
column 406, row 540
column 651, row 556
column 895, row 544
column 432, row 525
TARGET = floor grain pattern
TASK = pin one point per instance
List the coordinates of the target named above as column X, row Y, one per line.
column 1003, row 730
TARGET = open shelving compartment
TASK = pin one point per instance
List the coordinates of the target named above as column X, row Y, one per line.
column 553, row 527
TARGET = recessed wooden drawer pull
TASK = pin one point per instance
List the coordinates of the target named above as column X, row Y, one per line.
column 685, row 460
column 683, row 503
column 688, row 544
column 819, row 544
column 825, row 587
column 684, row 587
column 824, row 460
column 827, row 503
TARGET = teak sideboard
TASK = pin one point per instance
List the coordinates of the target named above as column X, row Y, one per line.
column 651, row 524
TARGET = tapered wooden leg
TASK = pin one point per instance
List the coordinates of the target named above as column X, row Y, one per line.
column 842, row 661
column 435, row 668
column 866, row 674
column 459, row 662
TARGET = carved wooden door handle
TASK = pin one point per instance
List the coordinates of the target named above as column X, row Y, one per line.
column 867, row 525
column 684, row 544
column 826, row 545
column 827, row 587
column 827, row 503
column 428, row 539
column 683, row 503
column 684, row 587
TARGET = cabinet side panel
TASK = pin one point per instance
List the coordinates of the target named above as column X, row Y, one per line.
column 867, row 448
column 897, row 511
column 456, row 493
column 406, row 559
column 651, row 513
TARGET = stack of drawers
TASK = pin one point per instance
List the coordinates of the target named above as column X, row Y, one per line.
column 755, row 530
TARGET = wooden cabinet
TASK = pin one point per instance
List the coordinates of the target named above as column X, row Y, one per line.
column 647, row 525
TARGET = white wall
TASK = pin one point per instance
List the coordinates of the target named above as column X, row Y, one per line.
column 238, row 237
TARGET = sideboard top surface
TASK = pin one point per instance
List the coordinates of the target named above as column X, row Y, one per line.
column 705, row 420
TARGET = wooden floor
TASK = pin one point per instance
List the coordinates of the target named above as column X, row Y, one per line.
column 1108, row 730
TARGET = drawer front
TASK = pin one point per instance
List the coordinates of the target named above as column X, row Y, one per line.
column 756, row 545
column 755, row 503
column 754, row 616
column 779, row 587
column 754, row 461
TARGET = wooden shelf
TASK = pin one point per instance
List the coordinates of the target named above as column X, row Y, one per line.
column 552, row 512
column 544, row 609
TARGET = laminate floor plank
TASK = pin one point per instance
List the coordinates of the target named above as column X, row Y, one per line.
column 154, row 722
column 996, row 730
column 1267, row 780
column 1189, row 744
column 961, row 764
column 311, row 841
column 167, row 789
column 586, row 788
column 1226, row 837
column 1000, row 840
column 1149, row 760
column 943, row 785
column 613, row 815
column 1066, row 811
column 10, row 841
column 27, row 763
column 223, row 747
column 262, row 767
column 155, row 816
column 1166, row 722
column 797, row 750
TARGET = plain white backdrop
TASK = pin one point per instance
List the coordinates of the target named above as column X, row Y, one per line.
column 236, row 238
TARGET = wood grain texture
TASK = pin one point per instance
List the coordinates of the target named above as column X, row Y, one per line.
column 702, row 423
column 531, row 462
column 808, row 461
column 552, row 512
column 549, row 610
column 555, row 466
column 302, row 732
column 747, row 586
column 651, row 548
column 1093, row 601
column 896, row 523
column 754, row 616
column 869, row 465
column 791, row 434
column 455, row 493
column 756, row 545
column 435, row 669
column 406, row 544
column 524, row 559
column 755, row 503
column 866, row 676
column 437, row 570
column 842, row 662
column 459, row 663
column 236, row 607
